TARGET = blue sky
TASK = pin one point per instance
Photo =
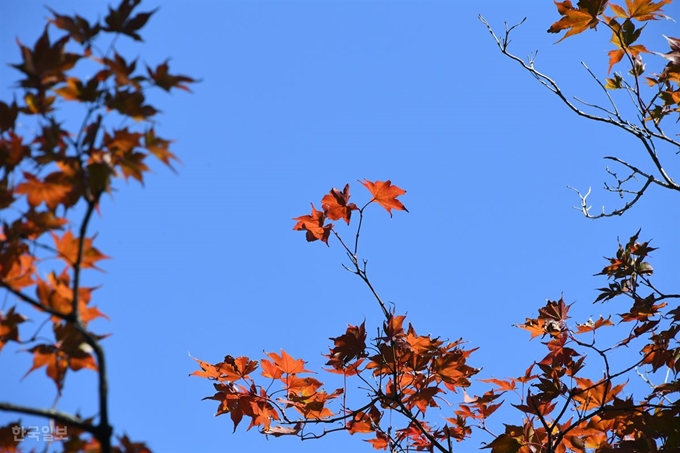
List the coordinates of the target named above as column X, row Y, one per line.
column 297, row 97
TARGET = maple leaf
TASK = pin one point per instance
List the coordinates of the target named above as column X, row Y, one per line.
column 381, row 441
column 554, row 310
column 69, row 351
column 577, row 20
column 424, row 398
column 385, row 194
column 38, row 222
column 56, row 293
column 78, row 28
column 130, row 103
column 45, row 64
column 366, row 421
column 75, row 90
column 52, row 190
column 12, row 149
column 67, row 246
column 503, row 385
column 158, row 147
column 287, row 364
column 314, row 226
column 335, row 204
column 166, row 81
column 9, row 326
column 508, row 442
column 127, row 446
column 590, row 396
column 121, row 70
column 535, row 326
column 641, row 10
column 623, row 36
column 8, row 116
column 230, row 369
column 591, row 325
column 132, row 164
column 19, row 273
column 348, row 347
column 119, row 20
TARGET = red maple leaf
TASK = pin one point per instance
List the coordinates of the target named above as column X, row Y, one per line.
column 314, row 226
column 336, row 204
column 385, row 194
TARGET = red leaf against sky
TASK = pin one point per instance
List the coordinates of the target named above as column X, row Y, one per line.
column 348, row 347
column 385, row 194
column 287, row 364
column 381, row 441
column 231, row 369
column 336, row 204
column 9, row 330
column 314, row 226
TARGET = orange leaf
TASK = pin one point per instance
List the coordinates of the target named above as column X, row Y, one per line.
column 535, row 326
column 644, row 10
column 287, row 364
column 67, row 247
column 577, row 20
column 385, row 194
column 381, row 441
column 46, row 355
column 335, row 204
column 20, row 272
column 229, row 370
column 591, row 325
column 314, row 225
column 9, row 330
column 503, row 385
column 52, row 190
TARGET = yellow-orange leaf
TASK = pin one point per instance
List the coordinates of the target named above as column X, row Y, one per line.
column 644, row 10
column 577, row 20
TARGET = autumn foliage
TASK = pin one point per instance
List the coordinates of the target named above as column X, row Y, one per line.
column 412, row 387
column 51, row 184
column 399, row 390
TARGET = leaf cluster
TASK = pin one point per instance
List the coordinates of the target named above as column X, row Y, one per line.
column 51, row 182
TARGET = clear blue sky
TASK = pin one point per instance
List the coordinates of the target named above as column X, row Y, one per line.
column 298, row 97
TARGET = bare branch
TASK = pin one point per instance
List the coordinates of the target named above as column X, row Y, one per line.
column 614, row 118
column 58, row 416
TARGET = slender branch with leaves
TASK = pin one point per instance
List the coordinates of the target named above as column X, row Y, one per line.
column 650, row 112
column 51, row 184
column 576, row 398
